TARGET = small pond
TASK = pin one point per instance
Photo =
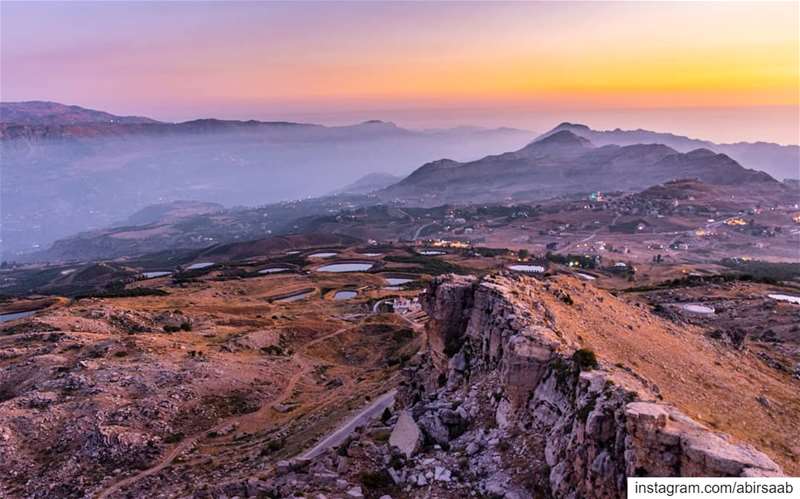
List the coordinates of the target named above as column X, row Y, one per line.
column 346, row 267
column 431, row 252
column 789, row 298
column 527, row 268
column 696, row 309
column 199, row 265
column 323, row 254
column 16, row 315
column 295, row 297
column 345, row 294
column 396, row 281
column 274, row 270
column 154, row 274
column 586, row 276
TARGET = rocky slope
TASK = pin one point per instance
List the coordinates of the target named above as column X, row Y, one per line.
column 159, row 396
column 516, row 398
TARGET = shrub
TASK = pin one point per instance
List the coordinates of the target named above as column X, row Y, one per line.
column 272, row 350
column 402, row 335
column 342, row 449
column 563, row 372
column 173, row 438
column 585, row 359
column 583, row 412
column 275, row 445
column 376, row 480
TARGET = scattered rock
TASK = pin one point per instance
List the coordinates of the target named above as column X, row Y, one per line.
column 406, row 435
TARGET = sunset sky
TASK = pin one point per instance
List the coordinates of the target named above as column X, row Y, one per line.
column 724, row 71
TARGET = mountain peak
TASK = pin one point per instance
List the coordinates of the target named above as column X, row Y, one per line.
column 379, row 123
column 564, row 137
column 701, row 152
column 560, row 143
column 571, row 126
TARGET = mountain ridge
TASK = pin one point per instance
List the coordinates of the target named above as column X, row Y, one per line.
column 779, row 160
column 563, row 163
column 54, row 113
column 52, row 120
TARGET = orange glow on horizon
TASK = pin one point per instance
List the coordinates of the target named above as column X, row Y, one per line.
column 300, row 57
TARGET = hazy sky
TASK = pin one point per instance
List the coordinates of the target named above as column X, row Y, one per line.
column 724, row 71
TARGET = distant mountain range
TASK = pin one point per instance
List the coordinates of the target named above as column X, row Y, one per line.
column 561, row 163
column 780, row 161
column 25, row 123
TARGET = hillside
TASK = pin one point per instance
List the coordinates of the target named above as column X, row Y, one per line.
column 369, row 183
column 194, row 227
column 698, row 208
column 170, row 212
column 566, row 163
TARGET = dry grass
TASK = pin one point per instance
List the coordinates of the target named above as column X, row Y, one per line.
column 708, row 381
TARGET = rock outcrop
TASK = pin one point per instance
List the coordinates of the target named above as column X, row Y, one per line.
column 583, row 427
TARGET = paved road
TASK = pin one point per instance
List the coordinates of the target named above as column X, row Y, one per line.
column 372, row 411
column 420, row 229
column 590, row 236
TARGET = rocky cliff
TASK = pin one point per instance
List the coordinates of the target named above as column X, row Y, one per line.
column 510, row 401
column 571, row 424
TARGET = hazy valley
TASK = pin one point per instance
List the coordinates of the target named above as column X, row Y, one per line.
column 61, row 177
